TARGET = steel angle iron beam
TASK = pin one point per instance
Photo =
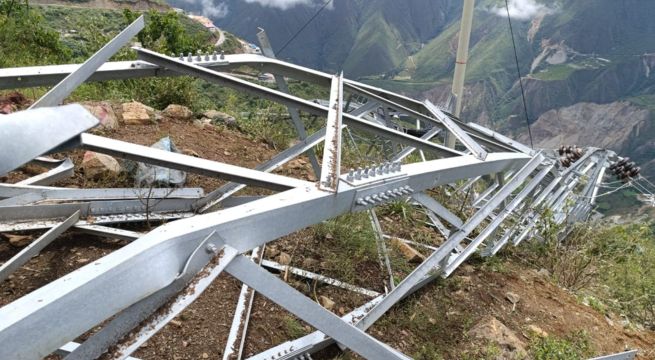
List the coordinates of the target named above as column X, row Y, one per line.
column 188, row 163
column 64, row 170
column 436, row 258
column 456, row 131
column 267, row 50
column 290, row 100
column 57, row 94
column 493, row 225
column 43, row 129
column 331, row 167
column 438, row 209
column 314, row 314
column 243, row 228
column 241, row 317
column 36, row 246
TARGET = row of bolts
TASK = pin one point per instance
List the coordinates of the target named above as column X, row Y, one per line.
column 385, row 196
column 373, row 170
column 199, row 57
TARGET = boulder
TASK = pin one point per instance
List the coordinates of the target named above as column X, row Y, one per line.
column 179, row 112
column 495, row 332
column 96, row 166
column 220, row 117
column 135, row 113
column 17, row 240
column 326, row 302
column 150, row 175
column 104, row 112
column 411, row 254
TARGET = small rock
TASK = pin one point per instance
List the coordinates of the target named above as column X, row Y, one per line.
column 205, row 356
column 609, row 321
column 190, row 152
column 492, row 330
column 543, row 272
column 537, row 331
column 227, row 153
column 342, row 310
column 326, row 302
column 97, row 165
column 179, row 112
column 329, row 236
column 185, row 343
column 512, row 297
column 284, row 259
column 176, row 323
column 17, row 240
column 82, row 261
column 104, row 112
column 310, row 263
column 135, row 113
column 468, row 269
column 408, row 252
column 199, row 124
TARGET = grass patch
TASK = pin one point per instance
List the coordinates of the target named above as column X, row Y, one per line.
column 352, row 243
column 555, row 72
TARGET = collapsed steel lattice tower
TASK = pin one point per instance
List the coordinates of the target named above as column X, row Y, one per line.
column 144, row 285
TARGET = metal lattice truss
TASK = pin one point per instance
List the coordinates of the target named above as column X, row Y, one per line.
column 136, row 290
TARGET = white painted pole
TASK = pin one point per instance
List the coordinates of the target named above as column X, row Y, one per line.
column 460, row 61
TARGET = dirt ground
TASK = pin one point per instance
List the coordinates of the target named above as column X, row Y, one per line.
column 439, row 315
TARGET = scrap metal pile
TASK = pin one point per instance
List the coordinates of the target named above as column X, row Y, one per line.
column 136, row 290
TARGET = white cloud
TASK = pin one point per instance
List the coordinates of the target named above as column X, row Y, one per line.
column 287, row 4
column 523, row 9
column 216, row 11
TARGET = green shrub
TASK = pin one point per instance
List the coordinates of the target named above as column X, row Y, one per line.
column 574, row 347
column 25, row 39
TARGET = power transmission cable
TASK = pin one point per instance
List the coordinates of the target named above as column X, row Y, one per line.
column 279, row 51
column 518, row 70
column 641, row 177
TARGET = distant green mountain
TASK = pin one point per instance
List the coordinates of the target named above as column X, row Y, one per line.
column 570, row 52
column 360, row 37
